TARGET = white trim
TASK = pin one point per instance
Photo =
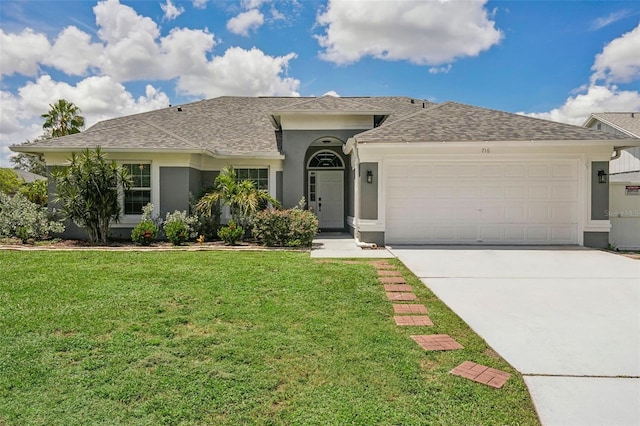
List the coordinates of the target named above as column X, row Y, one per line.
column 326, row 168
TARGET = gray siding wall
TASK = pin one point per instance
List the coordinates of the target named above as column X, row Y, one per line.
column 71, row 230
column 368, row 192
column 295, row 144
column 175, row 184
column 207, row 179
column 599, row 191
column 372, row 237
column 596, row 239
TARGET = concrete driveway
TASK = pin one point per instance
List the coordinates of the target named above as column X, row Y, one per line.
column 567, row 318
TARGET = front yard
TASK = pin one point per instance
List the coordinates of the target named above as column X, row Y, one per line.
column 91, row 337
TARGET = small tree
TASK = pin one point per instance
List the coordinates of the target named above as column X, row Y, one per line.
column 242, row 197
column 63, row 118
column 10, row 182
column 88, row 192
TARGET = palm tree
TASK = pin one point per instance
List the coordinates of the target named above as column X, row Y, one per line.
column 63, row 119
column 243, row 197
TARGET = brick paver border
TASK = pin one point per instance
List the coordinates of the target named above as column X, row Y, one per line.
column 413, row 320
column 401, row 297
column 392, row 280
column 481, row 374
column 388, row 273
column 406, row 308
column 398, row 287
column 437, row 342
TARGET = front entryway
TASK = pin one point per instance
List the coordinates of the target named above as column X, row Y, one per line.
column 326, row 197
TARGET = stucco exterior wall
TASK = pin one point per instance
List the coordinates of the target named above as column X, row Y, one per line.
column 368, row 192
column 599, row 191
column 295, row 144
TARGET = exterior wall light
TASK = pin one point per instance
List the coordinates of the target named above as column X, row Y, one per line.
column 602, row 176
column 369, row 176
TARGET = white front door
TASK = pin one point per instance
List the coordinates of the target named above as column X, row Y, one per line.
column 326, row 197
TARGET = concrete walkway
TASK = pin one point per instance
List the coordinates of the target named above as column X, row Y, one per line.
column 340, row 245
column 567, row 318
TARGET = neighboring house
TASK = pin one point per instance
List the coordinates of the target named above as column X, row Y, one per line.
column 28, row 177
column 390, row 170
column 624, row 169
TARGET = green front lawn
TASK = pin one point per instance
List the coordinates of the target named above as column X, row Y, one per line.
column 90, row 337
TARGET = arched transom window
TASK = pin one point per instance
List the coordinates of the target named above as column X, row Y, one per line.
column 326, row 160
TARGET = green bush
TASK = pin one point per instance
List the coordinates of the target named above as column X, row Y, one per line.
column 179, row 227
column 36, row 191
column 147, row 229
column 285, row 228
column 20, row 218
column 207, row 221
column 231, row 233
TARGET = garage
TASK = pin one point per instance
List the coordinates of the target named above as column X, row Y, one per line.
column 476, row 202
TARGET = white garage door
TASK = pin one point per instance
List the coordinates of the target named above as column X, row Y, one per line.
column 481, row 203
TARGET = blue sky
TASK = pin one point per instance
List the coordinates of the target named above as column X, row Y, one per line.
column 558, row 60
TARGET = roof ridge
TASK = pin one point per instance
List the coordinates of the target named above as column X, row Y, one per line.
column 170, row 133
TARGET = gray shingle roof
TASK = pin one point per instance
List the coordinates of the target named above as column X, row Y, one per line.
column 227, row 125
column 627, row 122
column 454, row 122
column 231, row 125
column 333, row 104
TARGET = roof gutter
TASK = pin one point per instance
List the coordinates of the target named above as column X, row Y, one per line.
column 262, row 155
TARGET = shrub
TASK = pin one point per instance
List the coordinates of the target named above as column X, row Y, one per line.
column 285, row 228
column 207, row 221
column 231, row 233
column 147, row 229
column 179, row 227
column 88, row 192
column 36, row 191
column 20, row 218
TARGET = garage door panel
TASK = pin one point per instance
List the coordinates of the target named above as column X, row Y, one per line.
column 469, row 191
column 538, row 171
column 515, row 170
column 494, row 203
column 539, row 191
column 515, row 192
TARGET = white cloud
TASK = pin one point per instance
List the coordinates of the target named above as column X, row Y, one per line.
column 99, row 98
column 604, row 21
column 619, row 61
column 243, row 73
column 422, row 32
column 332, row 93
column 253, row 4
column 440, row 70
column 171, row 11
column 245, row 22
column 200, row 4
column 577, row 109
column 129, row 47
column 22, row 53
column 73, row 52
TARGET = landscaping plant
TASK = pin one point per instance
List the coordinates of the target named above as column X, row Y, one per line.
column 146, row 231
column 286, row 228
column 87, row 191
column 231, row 233
column 20, row 218
column 179, row 227
column 242, row 197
